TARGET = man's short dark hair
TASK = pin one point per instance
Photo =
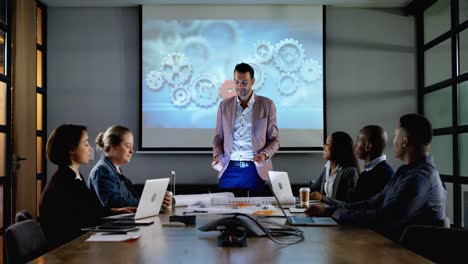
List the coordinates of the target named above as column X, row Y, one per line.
column 376, row 136
column 243, row 68
column 62, row 140
column 418, row 129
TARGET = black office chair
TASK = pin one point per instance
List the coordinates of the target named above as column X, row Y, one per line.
column 25, row 241
column 439, row 244
column 23, row 215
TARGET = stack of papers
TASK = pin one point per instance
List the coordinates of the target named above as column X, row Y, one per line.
column 110, row 237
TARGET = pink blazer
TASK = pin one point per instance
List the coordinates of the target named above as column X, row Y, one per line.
column 265, row 136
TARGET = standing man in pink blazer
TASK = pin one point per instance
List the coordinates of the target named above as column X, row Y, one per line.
column 246, row 136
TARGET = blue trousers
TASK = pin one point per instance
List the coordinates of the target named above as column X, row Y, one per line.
column 238, row 177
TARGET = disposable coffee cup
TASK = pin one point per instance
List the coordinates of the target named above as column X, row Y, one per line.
column 304, row 194
column 170, row 195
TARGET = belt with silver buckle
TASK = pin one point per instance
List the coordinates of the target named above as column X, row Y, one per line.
column 241, row 164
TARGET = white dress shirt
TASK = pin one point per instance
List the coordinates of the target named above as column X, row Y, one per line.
column 330, row 179
column 242, row 138
column 77, row 173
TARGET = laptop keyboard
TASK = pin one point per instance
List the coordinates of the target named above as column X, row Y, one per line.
column 300, row 219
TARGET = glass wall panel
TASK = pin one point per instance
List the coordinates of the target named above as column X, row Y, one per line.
column 436, row 20
column 464, row 51
column 464, row 202
column 449, row 201
column 3, row 103
column 39, row 69
column 39, row 105
column 463, row 103
column 438, row 107
column 39, row 157
column 39, row 26
column 463, row 150
column 437, row 63
column 463, row 5
column 441, row 151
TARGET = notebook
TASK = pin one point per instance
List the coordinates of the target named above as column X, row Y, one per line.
column 150, row 201
column 298, row 220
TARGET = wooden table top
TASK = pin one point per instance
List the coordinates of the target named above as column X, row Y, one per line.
column 157, row 244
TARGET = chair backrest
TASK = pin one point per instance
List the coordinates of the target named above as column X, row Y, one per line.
column 23, row 215
column 439, row 244
column 25, row 241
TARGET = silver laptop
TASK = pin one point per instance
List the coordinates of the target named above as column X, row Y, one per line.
column 150, row 201
column 280, row 184
column 297, row 220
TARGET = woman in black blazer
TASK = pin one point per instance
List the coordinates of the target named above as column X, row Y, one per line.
column 340, row 175
column 67, row 205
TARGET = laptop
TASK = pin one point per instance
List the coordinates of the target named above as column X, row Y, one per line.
column 297, row 220
column 150, row 201
column 280, row 184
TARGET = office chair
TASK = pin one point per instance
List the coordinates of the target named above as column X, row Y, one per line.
column 23, row 215
column 439, row 244
column 25, row 241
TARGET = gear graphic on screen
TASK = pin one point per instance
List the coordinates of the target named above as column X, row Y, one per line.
column 311, row 70
column 188, row 26
column 289, row 55
column 155, row 80
column 259, row 73
column 228, row 89
column 287, row 84
column 197, row 49
column 180, row 96
column 176, row 68
column 264, row 51
column 205, row 91
column 224, row 32
column 168, row 38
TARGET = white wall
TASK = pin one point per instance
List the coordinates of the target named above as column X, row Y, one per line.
column 93, row 71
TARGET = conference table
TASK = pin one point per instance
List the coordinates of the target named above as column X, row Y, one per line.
column 158, row 244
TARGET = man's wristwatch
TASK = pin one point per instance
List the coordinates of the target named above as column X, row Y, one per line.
column 266, row 155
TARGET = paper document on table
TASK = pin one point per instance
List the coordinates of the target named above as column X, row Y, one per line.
column 200, row 199
column 252, row 200
column 264, row 210
column 110, row 237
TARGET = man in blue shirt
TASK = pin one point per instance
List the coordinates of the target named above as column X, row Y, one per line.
column 415, row 194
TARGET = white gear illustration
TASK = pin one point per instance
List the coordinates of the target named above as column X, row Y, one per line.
column 205, row 90
column 155, row 80
column 289, row 55
column 188, row 26
column 287, row 84
column 197, row 49
column 311, row 70
column 264, row 51
column 259, row 73
column 176, row 68
column 180, row 96
column 226, row 30
column 168, row 37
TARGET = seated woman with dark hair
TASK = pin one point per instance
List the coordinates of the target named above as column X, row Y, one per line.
column 67, row 205
column 340, row 175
